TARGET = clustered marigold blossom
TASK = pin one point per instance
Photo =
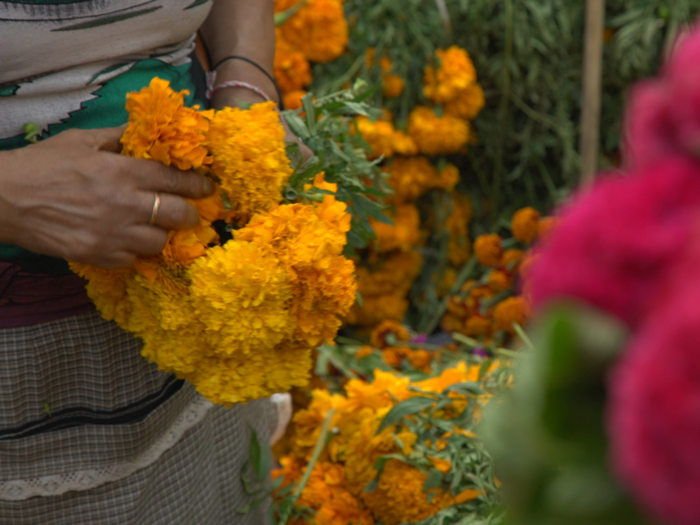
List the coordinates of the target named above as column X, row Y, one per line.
column 383, row 285
column 163, row 129
column 438, row 135
column 467, row 104
column 238, row 320
column 379, row 136
column 348, row 461
column 454, row 74
column 403, row 235
column 525, row 224
column 258, row 149
column 292, row 70
column 488, row 249
column 414, row 176
column 318, row 29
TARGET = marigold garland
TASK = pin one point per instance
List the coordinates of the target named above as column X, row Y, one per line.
column 438, row 135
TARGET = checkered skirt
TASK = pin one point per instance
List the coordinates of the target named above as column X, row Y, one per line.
column 92, row 433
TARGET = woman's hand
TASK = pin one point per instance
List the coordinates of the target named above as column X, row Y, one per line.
column 74, row 196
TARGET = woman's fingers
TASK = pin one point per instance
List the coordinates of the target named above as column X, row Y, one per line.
column 173, row 212
column 151, row 175
column 148, row 240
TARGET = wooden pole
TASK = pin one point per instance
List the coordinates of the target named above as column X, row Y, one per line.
column 592, row 86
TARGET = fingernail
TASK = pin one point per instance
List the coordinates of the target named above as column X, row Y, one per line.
column 208, row 186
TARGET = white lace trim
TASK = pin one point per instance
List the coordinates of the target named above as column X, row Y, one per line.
column 283, row 405
column 57, row 484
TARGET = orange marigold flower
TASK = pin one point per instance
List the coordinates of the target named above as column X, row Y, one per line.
column 404, row 234
column 467, row 104
column 512, row 310
column 385, row 328
column 403, row 144
column 525, row 224
column 420, row 359
column 377, row 308
column 292, row 70
column 438, row 135
column 163, row 129
column 319, row 29
column 443, row 465
column 477, row 326
column 545, row 226
column 292, row 99
column 459, row 247
column 511, row 260
column 392, row 85
column 499, row 281
column 392, row 356
column 411, row 177
column 455, row 73
column 379, row 135
column 364, row 351
column 449, row 177
column 488, row 249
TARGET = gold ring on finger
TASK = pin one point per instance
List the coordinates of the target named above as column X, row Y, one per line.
column 154, row 211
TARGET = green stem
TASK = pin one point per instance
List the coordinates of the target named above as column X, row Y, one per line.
column 320, row 444
column 282, row 17
column 519, row 330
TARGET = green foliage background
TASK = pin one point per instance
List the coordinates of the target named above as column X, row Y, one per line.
column 528, row 55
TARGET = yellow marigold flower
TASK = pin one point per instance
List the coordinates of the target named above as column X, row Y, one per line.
column 404, row 234
column 545, row 226
column 488, row 249
column 250, row 159
column 525, row 224
column 292, row 70
column 163, row 129
column 467, row 103
column 411, row 177
column 385, row 328
column 379, row 135
column 292, row 99
column 107, row 289
column 319, row 29
column 309, row 241
column 454, row 74
column 512, row 310
column 438, row 135
column 393, row 274
column 403, row 144
column 477, row 326
column 499, row 281
column 450, row 376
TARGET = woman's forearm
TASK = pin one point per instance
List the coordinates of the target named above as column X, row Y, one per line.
column 245, row 28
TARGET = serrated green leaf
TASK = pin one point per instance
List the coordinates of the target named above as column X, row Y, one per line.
column 297, row 125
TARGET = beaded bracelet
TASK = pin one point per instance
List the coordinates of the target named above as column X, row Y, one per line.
column 213, row 88
column 258, row 66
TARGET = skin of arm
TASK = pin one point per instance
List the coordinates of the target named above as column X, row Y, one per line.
column 244, row 28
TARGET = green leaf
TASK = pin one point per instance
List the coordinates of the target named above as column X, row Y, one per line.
column 370, row 208
column 307, row 102
column 297, row 125
column 433, row 480
column 405, row 408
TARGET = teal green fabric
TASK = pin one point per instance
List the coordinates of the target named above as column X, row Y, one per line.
column 105, row 110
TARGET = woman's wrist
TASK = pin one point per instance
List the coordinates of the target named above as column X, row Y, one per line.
column 241, row 71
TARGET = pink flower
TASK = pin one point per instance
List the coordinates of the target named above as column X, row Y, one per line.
column 654, row 410
column 663, row 116
column 614, row 243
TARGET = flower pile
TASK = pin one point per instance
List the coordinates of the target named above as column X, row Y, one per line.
column 489, row 308
column 239, row 317
column 389, row 451
column 308, row 31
